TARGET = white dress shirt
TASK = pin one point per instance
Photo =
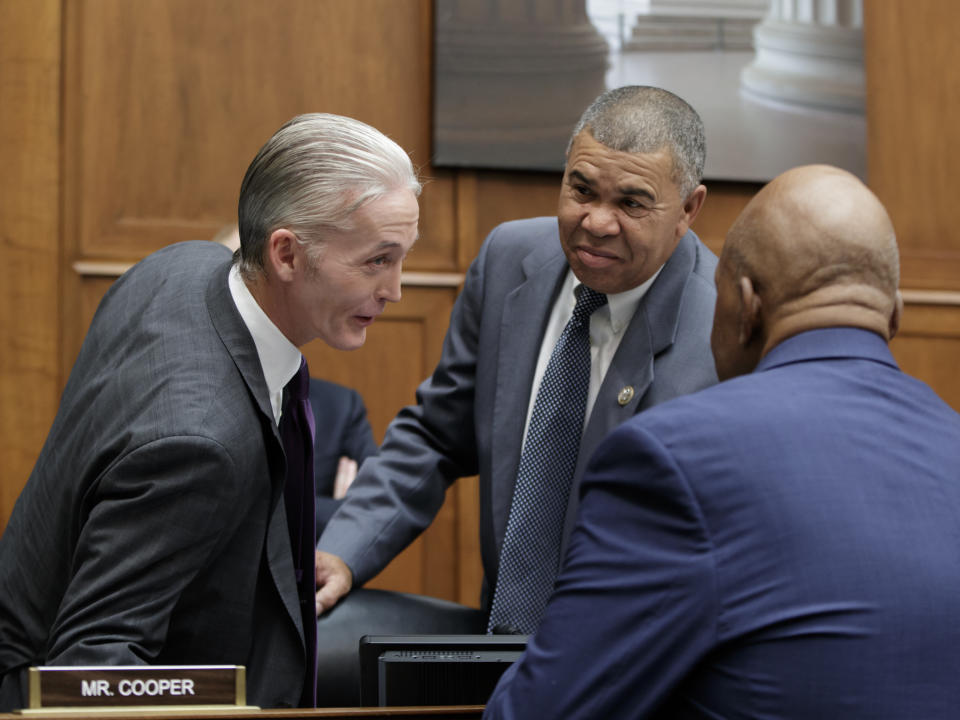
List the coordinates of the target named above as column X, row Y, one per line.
column 279, row 358
column 607, row 327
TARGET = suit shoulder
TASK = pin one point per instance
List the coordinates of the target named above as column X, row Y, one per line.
column 522, row 235
column 682, row 417
column 510, row 245
column 172, row 276
column 706, row 260
column 327, row 390
column 700, row 292
column 704, row 264
column 192, row 255
column 327, row 397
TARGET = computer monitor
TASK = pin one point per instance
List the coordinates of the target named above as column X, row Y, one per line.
column 434, row 669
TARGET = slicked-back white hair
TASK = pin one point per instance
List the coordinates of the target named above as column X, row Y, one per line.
column 312, row 175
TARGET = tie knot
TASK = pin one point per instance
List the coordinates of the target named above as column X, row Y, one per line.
column 298, row 387
column 587, row 301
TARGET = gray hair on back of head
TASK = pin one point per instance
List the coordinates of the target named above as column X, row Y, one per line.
column 644, row 119
column 312, row 175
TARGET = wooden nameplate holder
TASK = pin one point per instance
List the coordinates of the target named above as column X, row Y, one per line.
column 144, row 688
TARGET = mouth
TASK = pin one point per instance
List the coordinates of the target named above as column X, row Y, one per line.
column 365, row 320
column 595, row 257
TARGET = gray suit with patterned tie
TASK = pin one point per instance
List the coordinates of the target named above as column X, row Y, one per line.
column 470, row 414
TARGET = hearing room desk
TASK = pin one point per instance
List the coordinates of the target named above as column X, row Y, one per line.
column 468, row 712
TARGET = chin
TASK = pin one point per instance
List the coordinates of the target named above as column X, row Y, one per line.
column 601, row 281
column 356, row 340
column 347, row 340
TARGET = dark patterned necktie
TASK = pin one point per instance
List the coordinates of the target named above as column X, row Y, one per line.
column 530, row 556
column 296, row 432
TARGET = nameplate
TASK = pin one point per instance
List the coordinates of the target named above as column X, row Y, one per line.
column 164, row 687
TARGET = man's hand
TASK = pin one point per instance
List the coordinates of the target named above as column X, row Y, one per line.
column 346, row 474
column 334, row 580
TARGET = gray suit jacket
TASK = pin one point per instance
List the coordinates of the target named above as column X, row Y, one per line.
column 150, row 530
column 470, row 414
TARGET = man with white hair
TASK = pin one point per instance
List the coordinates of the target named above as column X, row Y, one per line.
column 168, row 519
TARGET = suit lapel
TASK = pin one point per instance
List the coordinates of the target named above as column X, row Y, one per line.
column 236, row 338
column 524, row 320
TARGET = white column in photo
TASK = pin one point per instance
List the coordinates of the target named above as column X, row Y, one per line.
column 711, row 8
column 512, row 79
column 696, row 25
column 809, row 53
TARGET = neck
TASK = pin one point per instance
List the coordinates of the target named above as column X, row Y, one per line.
column 274, row 304
column 825, row 317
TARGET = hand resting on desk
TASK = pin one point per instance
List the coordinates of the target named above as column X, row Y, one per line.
column 334, row 580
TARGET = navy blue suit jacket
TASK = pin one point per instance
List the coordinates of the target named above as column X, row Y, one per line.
column 782, row 545
column 342, row 429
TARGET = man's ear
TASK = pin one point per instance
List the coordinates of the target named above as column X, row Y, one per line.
column 691, row 208
column 895, row 317
column 750, row 306
column 281, row 254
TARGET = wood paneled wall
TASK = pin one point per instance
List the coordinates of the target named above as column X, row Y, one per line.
column 30, row 247
column 913, row 155
column 127, row 126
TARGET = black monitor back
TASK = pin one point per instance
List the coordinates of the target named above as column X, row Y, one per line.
column 434, row 669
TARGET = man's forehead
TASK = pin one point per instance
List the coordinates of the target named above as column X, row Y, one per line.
column 601, row 163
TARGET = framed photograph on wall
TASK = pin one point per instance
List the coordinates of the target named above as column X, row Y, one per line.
column 777, row 84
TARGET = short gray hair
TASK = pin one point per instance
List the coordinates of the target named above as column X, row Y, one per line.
column 311, row 176
column 644, row 119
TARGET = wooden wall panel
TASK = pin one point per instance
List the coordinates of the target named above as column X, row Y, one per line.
column 156, row 143
column 503, row 196
column 724, row 202
column 928, row 347
column 155, row 146
column 29, row 236
column 913, row 148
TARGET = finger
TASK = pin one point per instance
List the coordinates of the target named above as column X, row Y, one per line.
column 346, row 473
column 329, row 595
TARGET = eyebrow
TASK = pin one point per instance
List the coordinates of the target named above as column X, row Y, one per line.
column 628, row 190
column 386, row 245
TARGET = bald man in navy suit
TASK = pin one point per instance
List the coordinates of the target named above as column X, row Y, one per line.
column 784, row 544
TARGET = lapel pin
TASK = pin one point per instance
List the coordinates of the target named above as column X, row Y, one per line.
column 626, row 395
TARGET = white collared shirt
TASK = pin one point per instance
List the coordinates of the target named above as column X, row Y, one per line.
column 608, row 325
column 279, row 358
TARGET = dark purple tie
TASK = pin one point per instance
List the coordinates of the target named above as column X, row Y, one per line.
column 296, row 432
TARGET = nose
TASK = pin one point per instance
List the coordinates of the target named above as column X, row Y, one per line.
column 389, row 289
column 600, row 221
